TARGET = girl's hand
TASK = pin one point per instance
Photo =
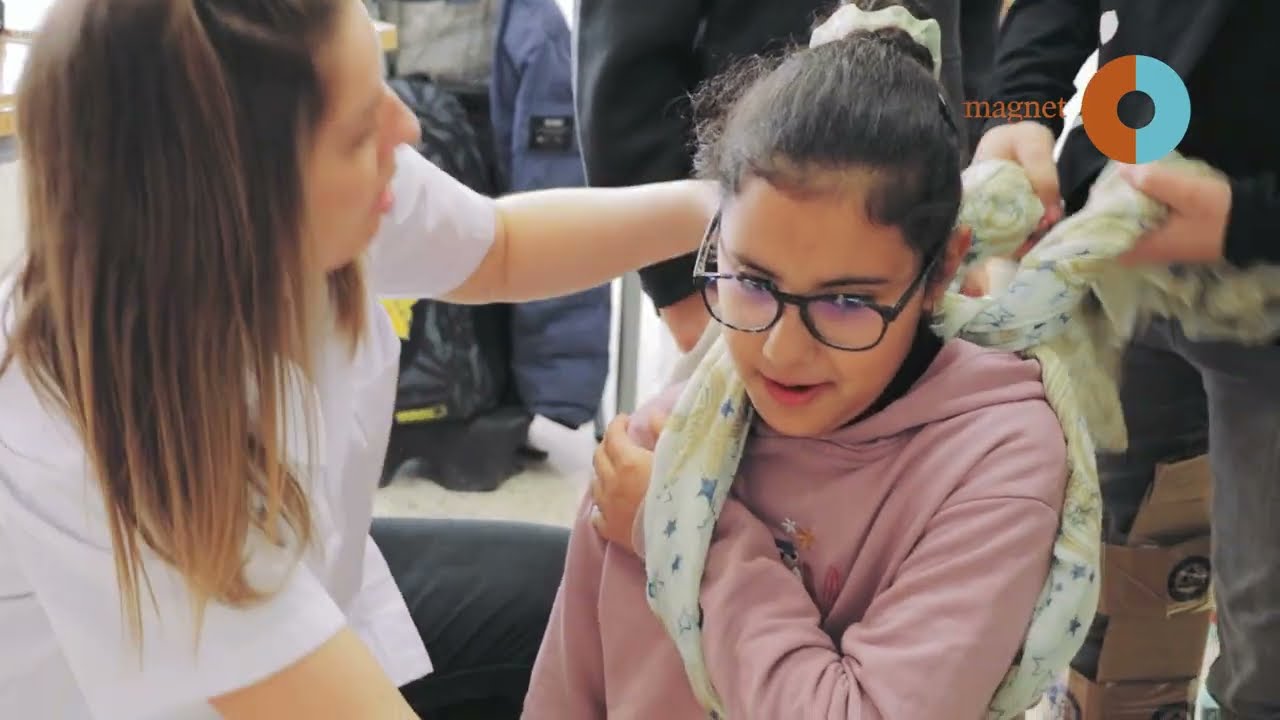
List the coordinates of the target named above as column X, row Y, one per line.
column 622, row 469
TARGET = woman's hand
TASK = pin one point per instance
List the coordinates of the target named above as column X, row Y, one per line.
column 622, row 469
column 1199, row 207
column 1029, row 144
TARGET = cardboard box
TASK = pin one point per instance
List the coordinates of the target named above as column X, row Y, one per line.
column 1088, row 700
column 1154, row 580
column 1176, row 506
column 1140, row 649
column 1155, row 605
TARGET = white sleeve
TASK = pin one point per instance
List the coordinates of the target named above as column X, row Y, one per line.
column 381, row 618
column 55, row 524
column 436, row 234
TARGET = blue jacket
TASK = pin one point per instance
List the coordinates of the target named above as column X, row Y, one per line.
column 559, row 347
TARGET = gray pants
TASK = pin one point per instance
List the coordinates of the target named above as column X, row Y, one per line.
column 1181, row 397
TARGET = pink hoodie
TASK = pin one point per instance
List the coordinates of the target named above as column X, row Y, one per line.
column 886, row 570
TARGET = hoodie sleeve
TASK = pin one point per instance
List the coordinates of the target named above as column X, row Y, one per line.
column 935, row 644
column 568, row 676
column 640, row 425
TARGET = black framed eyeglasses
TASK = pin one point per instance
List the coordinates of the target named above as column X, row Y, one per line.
column 751, row 304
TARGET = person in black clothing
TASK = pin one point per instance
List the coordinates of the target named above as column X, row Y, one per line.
column 979, row 23
column 1181, row 396
column 637, row 63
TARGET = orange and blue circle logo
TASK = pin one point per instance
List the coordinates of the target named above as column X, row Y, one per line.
column 1151, row 77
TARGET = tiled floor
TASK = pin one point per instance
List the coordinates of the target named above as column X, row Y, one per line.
column 548, row 493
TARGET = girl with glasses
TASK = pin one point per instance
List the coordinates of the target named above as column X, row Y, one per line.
column 882, row 548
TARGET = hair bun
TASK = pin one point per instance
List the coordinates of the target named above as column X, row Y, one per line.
column 903, row 25
column 901, row 41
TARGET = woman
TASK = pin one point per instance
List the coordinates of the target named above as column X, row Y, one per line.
column 196, row 380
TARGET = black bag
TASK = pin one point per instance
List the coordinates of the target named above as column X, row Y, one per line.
column 449, row 370
column 456, row 417
column 449, row 137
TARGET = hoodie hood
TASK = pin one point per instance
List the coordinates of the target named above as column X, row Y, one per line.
column 963, row 378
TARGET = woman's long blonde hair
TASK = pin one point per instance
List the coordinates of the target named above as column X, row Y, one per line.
column 165, row 303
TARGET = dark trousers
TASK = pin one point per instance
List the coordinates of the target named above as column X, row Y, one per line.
column 480, row 594
column 1180, row 398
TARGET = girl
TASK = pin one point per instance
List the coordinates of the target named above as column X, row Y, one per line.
column 890, row 528
column 196, row 379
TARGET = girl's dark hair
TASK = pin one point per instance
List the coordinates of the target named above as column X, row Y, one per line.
column 867, row 102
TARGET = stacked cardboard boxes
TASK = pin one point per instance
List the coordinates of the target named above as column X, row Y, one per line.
column 1147, row 645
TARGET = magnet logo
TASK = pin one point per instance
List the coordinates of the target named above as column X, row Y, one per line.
column 1156, row 80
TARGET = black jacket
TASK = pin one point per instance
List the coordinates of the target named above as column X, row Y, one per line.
column 1225, row 52
column 637, row 62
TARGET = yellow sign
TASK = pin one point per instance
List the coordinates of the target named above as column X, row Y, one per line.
column 401, row 312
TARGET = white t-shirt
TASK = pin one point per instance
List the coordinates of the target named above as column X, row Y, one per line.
column 65, row 651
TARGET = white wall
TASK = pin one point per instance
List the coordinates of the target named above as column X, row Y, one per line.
column 10, row 218
column 567, row 7
column 25, row 14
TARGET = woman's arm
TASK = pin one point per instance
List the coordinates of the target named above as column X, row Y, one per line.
column 935, row 644
column 339, row 680
column 444, row 240
column 555, row 242
column 290, row 655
